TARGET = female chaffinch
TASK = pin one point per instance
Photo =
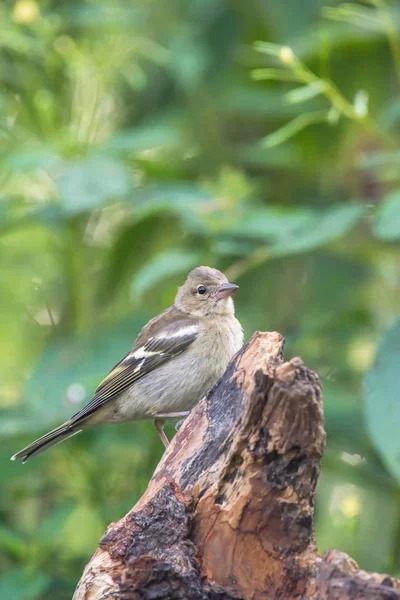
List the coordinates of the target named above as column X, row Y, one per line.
column 177, row 358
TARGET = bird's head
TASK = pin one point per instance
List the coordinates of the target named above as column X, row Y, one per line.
column 206, row 291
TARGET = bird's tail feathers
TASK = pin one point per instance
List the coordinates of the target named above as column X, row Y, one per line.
column 52, row 438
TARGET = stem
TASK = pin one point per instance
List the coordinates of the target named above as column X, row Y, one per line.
column 336, row 98
column 393, row 38
column 251, row 261
column 79, row 291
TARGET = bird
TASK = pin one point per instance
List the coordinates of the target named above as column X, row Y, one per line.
column 176, row 359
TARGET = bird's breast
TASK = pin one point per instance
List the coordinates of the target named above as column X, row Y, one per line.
column 216, row 345
column 181, row 382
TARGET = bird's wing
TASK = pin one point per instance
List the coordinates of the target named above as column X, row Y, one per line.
column 166, row 343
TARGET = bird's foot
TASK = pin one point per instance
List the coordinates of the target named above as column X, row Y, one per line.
column 179, row 424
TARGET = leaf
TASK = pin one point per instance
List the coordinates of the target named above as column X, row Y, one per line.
column 30, row 159
column 11, row 541
column 378, row 521
column 89, row 184
column 14, row 421
column 252, row 102
column 356, row 14
column 231, row 247
column 344, row 418
column 295, row 126
column 50, row 530
column 324, row 228
column 379, row 159
column 390, row 115
column 170, row 262
column 188, row 202
column 266, row 74
column 306, row 92
column 272, row 223
column 387, row 223
column 381, row 400
column 155, row 134
column 255, row 155
column 71, row 367
column 354, row 508
column 85, row 520
column 267, row 48
column 22, row 584
column 136, row 243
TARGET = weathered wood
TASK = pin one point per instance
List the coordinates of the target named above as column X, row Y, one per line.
column 228, row 513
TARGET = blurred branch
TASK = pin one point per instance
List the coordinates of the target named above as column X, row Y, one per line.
column 228, row 513
column 361, row 16
column 391, row 31
column 255, row 258
column 314, row 85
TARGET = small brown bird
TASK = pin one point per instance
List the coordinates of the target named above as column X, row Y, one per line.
column 178, row 356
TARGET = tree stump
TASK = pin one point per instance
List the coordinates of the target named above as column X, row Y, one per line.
column 228, row 513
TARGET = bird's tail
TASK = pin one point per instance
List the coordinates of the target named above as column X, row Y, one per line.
column 52, row 438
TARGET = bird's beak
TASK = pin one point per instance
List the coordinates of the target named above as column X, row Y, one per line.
column 226, row 289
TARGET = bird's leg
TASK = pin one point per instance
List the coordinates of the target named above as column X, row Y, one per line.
column 172, row 415
column 159, row 425
column 160, row 420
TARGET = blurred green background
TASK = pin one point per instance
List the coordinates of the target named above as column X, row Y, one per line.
column 140, row 139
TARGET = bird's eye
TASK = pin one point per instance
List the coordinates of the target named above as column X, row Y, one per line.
column 201, row 290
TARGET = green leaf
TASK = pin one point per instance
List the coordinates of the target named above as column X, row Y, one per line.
column 378, row 521
column 344, row 419
column 390, row 114
column 387, row 223
column 249, row 101
column 170, row 262
column 49, row 216
column 23, row 584
column 231, row 247
column 272, row 223
column 188, row 202
column 381, row 398
column 50, row 530
column 29, row 160
column 11, row 541
column 256, row 156
column 306, row 92
column 85, row 520
column 71, row 367
column 153, row 231
column 163, row 134
column 324, row 228
column 266, row 74
column 356, row 14
column 89, row 184
column 295, row 126
column 267, row 48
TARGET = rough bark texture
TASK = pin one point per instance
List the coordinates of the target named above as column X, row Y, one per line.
column 228, row 513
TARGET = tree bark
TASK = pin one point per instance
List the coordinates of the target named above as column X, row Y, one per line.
column 228, row 513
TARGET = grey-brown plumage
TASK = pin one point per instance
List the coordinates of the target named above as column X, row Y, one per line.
column 176, row 359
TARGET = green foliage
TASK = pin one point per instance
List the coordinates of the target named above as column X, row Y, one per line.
column 163, row 266
column 67, row 371
column 141, row 139
column 322, row 229
column 23, row 585
column 387, row 225
column 88, row 184
column 382, row 400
